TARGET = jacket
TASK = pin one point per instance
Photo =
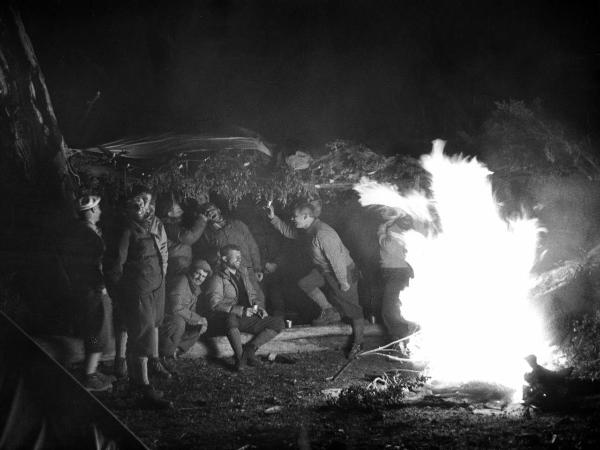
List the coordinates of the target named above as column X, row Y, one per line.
column 180, row 241
column 392, row 250
column 327, row 250
column 234, row 232
column 222, row 292
column 182, row 298
column 142, row 257
column 82, row 251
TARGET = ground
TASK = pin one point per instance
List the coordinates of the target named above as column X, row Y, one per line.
column 220, row 409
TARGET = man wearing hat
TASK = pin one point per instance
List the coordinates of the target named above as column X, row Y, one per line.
column 89, row 309
column 138, row 274
column 183, row 325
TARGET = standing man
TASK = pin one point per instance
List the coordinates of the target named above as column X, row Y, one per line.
column 180, row 238
column 233, row 303
column 89, row 309
column 396, row 274
column 183, row 325
column 139, row 274
column 221, row 232
column 334, row 271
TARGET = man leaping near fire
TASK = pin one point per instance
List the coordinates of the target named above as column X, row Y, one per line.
column 334, row 272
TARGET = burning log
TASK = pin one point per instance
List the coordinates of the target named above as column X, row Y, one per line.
column 557, row 278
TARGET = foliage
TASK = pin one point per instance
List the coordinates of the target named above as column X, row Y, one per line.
column 384, row 392
column 233, row 175
column 520, row 138
column 582, row 347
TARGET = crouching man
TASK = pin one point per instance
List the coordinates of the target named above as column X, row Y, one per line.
column 182, row 325
column 233, row 303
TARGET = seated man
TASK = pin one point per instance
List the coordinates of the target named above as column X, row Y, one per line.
column 182, row 325
column 233, row 303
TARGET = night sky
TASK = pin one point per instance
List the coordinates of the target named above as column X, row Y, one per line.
column 391, row 74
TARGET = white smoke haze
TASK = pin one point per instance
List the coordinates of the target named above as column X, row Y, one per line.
column 472, row 278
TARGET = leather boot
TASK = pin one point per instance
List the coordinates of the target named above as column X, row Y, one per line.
column 260, row 339
column 235, row 340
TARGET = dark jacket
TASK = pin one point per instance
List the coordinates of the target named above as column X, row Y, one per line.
column 82, row 253
column 141, row 262
column 180, row 241
column 182, row 298
column 234, row 232
column 222, row 292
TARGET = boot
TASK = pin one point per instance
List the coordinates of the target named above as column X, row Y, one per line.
column 235, row 340
column 156, row 369
column 170, row 363
column 151, row 398
column 120, row 367
column 327, row 316
column 358, row 333
column 257, row 341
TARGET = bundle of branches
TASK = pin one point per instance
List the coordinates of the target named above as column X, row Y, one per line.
column 236, row 174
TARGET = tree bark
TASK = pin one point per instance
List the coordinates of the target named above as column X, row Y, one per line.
column 35, row 182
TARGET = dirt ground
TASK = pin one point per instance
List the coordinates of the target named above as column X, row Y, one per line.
column 216, row 408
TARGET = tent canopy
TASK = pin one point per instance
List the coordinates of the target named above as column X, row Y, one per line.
column 173, row 144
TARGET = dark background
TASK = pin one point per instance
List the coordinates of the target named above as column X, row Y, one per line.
column 391, row 74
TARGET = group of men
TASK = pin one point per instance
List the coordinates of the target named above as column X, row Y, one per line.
column 156, row 281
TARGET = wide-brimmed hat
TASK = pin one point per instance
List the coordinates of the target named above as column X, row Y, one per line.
column 87, row 202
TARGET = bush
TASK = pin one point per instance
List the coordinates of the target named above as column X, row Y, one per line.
column 582, row 347
column 387, row 391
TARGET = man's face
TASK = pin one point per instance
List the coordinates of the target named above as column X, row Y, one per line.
column 214, row 216
column 198, row 276
column 233, row 259
column 140, row 207
column 176, row 212
column 301, row 219
column 96, row 213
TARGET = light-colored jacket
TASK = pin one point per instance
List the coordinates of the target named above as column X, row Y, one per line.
column 327, row 250
column 182, row 298
column 392, row 249
column 222, row 292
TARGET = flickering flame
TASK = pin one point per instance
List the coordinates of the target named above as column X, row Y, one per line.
column 472, row 277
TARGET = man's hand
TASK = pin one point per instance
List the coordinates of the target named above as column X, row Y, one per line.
column 344, row 286
column 270, row 211
column 201, row 321
column 270, row 267
column 248, row 312
column 261, row 312
column 259, row 276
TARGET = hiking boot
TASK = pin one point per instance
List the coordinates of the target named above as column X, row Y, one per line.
column 120, row 367
column 156, row 369
column 152, row 399
column 354, row 350
column 242, row 362
column 97, row 382
column 251, row 358
column 169, row 363
column 327, row 316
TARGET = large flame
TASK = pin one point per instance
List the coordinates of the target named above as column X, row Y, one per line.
column 472, row 277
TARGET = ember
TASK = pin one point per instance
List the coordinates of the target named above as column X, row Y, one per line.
column 470, row 294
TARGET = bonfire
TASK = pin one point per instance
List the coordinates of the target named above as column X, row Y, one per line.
column 471, row 291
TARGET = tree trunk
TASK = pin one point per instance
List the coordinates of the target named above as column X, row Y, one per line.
column 35, row 182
